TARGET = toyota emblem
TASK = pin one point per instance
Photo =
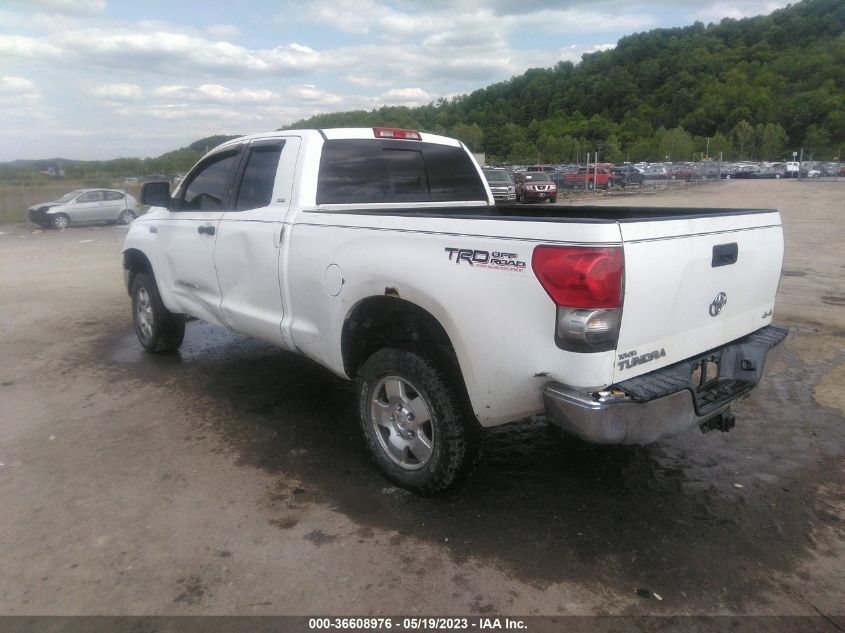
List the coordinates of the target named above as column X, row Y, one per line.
column 718, row 304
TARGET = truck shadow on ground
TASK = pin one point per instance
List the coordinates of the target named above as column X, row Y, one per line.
column 709, row 520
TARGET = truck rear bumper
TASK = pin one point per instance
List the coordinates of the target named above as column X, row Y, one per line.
column 667, row 401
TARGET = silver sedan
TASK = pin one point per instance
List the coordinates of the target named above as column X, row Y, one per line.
column 83, row 206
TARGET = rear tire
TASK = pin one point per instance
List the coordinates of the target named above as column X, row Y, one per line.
column 158, row 329
column 416, row 426
column 126, row 216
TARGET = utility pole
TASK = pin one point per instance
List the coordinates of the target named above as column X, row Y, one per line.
column 596, row 171
column 708, row 148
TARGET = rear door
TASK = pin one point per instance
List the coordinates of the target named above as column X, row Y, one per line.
column 113, row 203
column 694, row 284
column 250, row 237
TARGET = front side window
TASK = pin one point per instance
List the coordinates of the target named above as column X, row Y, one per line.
column 68, row 196
column 256, row 188
column 207, row 188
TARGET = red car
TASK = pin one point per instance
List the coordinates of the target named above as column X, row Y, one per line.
column 532, row 186
column 589, row 177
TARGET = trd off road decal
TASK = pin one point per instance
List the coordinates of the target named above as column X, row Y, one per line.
column 486, row 259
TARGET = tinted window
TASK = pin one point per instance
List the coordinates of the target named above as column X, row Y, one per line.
column 113, row 195
column 361, row 171
column 256, row 188
column 207, row 187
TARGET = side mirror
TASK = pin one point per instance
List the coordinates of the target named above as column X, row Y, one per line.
column 156, row 194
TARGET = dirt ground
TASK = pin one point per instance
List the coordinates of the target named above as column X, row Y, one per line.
column 231, row 478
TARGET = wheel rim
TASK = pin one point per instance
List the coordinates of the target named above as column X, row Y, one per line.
column 144, row 313
column 60, row 222
column 401, row 422
column 126, row 217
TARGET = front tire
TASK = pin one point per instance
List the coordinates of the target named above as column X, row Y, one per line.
column 60, row 221
column 414, row 423
column 158, row 329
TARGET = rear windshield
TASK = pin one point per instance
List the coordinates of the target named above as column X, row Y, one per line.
column 354, row 171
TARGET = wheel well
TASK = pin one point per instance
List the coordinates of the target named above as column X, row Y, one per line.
column 134, row 262
column 387, row 321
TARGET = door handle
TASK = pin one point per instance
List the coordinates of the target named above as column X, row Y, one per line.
column 206, row 229
column 724, row 255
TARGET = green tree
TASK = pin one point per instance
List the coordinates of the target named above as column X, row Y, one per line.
column 816, row 141
column 744, row 136
column 772, row 141
column 471, row 134
column 676, row 144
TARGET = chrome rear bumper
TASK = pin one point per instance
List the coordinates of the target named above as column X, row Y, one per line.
column 664, row 402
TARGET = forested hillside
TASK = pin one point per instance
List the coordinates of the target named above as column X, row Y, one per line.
column 759, row 88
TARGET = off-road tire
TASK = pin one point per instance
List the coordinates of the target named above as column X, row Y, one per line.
column 457, row 436
column 553, row 200
column 60, row 221
column 162, row 331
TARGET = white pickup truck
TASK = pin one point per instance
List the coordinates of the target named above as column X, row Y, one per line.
column 380, row 254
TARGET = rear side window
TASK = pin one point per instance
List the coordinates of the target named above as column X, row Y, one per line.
column 113, row 195
column 256, row 189
column 364, row 171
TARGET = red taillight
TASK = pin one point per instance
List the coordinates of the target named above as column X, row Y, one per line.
column 392, row 132
column 580, row 277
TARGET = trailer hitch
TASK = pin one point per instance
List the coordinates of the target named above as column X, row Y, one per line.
column 723, row 422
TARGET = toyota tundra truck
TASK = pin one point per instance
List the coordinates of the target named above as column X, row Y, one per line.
column 381, row 255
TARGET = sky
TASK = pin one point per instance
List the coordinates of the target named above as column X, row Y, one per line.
column 101, row 79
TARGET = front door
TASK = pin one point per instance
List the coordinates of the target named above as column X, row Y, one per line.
column 187, row 235
column 250, row 237
column 87, row 206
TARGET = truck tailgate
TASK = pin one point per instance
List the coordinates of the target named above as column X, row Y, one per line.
column 693, row 284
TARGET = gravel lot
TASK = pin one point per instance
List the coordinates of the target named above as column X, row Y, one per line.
column 231, row 479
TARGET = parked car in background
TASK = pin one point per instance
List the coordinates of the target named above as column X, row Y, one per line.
column 589, row 177
column 534, row 186
column 501, row 184
column 680, row 171
column 626, row 176
column 655, row 172
column 84, row 206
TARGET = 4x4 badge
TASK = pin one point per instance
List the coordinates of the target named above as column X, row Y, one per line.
column 718, row 304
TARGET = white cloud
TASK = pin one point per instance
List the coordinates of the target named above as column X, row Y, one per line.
column 16, row 92
column 118, row 92
column 177, row 52
column 716, row 12
column 15, row 85
column 63, row 6
column 410, row 97
column 215, row 93
column 223, row 31
column 25, row 46
column 311, row 94
column 181, row 112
